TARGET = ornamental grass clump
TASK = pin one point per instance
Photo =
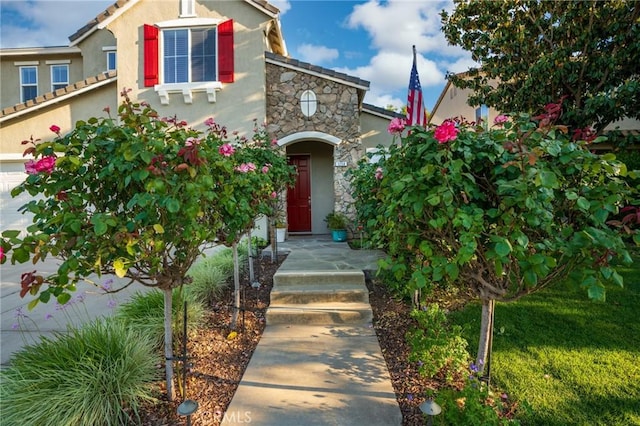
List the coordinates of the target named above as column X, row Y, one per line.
column 144, row 313
column 210, row 276
column 95, row 375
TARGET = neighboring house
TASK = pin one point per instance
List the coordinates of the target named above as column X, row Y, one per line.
column 452, row 103
column 195, row 59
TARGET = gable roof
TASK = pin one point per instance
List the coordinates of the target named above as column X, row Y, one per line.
column 308, row 68
column 117, row 8
column 381, row 112
column 59, row 95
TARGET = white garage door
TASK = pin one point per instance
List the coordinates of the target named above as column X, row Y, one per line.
column 10, row 177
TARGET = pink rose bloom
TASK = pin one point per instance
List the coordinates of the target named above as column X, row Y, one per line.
column 379, row 175
column 265, row 169
column 30, row 167
column 55, row 129
column 227, row 150
column 209, row 122
column 500, row 120
column 2, row 256
column 274, row 194
column 252, row 167
column 192, row 141
column 243, row 168
column 274, row 142
column 397, row 125
column 46, row 164
column 446, row 132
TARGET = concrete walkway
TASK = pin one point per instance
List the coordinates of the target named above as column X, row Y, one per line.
column 310, row 372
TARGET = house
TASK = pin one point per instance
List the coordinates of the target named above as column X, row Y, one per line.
column 195, row 59
column 452, row 103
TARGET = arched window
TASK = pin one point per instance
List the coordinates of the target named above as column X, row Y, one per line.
column 308, row 103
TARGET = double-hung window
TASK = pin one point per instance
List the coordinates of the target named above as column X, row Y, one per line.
column 28, row 83
column 59, row 77
column 189, row 55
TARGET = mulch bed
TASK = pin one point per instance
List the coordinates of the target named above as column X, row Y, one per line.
column 218, row 363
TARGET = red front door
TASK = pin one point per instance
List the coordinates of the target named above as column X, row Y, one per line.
column 299, row 196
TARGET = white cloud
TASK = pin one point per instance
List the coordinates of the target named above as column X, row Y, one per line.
column 38, row 23
column 316, row 54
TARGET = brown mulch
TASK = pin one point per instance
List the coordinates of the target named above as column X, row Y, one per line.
column 217, row 362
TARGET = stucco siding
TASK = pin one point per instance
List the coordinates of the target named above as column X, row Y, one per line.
column 95, row 58
column 63, row 114
column 374, row 131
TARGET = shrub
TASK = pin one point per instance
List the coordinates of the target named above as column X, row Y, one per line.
column 96, row 375
column 437, row 346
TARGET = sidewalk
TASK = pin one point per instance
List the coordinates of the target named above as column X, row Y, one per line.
column 317, row 374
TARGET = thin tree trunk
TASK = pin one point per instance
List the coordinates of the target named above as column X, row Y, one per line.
column 168, row 343
column 274, row 242
column 236, row 287
column 252, row 277
column 483, row 361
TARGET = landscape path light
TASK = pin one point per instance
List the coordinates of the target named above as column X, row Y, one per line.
column 430, row 408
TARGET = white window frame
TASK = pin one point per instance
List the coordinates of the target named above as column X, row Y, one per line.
column 308, row 103
column 186, row 89
column 110, row 51
column 62, row 84
column 23, row 84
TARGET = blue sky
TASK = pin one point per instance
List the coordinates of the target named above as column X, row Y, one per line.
column 368, row 39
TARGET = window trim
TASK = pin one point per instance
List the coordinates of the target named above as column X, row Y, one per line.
column 53, row 84
column 23, row 85
column 161, row 54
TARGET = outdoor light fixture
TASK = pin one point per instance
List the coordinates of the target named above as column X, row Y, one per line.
column 430, row 408
column 187, row 408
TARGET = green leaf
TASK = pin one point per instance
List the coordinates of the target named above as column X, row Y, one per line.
column 583, row 203
column 548, row 179
column 10, row 233
column 21, row 255
column 503, row 248
column 63, row 298
column 173, row 205
column 100, row 228
column 32, row 304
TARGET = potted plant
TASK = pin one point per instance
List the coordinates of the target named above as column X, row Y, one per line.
column 337, row 223
column 281, row 228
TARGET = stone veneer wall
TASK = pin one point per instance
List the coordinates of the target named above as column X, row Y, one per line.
column 337, row 115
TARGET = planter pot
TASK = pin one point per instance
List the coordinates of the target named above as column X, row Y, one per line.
column 339, row 235
column 280, row 234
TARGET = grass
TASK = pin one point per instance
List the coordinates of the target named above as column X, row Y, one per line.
column 574, row 361
column 96, row 375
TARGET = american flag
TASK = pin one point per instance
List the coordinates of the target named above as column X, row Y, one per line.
column 416, row 114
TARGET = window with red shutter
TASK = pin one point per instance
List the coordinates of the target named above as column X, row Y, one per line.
column 151, row 75
column 225, row 52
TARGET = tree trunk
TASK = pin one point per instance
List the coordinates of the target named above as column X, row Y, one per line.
column 252, row 276
column 236, row 287
column 274, row 242
column 168, row 342
column 483, row 361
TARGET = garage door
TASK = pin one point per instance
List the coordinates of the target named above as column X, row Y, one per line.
column 10, row 218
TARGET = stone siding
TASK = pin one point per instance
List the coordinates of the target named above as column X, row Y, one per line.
column 337, row 115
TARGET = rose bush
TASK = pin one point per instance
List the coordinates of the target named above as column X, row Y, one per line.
column 498, row 213
column 138, row 196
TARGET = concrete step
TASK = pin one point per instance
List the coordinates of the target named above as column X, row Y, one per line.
column 319, row 313
column 303, row 294
column 298, row 278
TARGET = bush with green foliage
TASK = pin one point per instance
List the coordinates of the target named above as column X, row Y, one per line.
column 96, row 375
column 499, row 213
column 437, row 346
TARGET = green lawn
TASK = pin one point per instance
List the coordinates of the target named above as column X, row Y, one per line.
column 576, row 362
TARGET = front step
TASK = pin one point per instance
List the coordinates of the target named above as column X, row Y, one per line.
column 332, row 277
column 302, row 294
column 319, row 297
column 320, row 313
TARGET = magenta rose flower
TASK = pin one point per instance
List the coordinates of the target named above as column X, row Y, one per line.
column 2, row 256
column 500, row 120
column 46, row 164
column 446, row 132
column 397, row 125
column 30, row 167
column 227, row 150
column 379, row 173
column 55, row 129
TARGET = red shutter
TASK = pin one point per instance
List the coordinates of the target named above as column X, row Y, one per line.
column 150, row 55
column 225, row 51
